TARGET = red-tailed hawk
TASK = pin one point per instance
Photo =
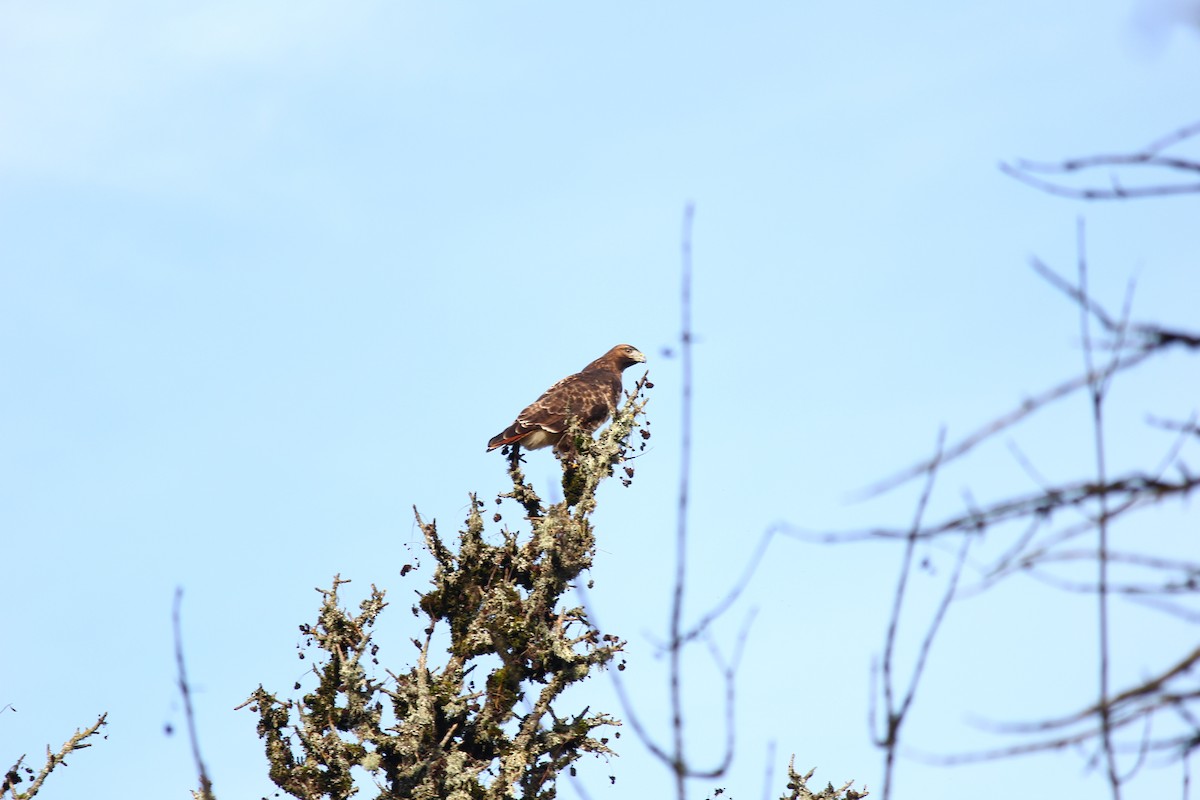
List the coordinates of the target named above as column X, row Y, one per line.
column 591, row 395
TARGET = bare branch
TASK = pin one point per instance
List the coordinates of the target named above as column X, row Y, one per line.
column 897, row 711
column 77, row 742
column 1120, row 730
column 1097, row 389
column 676, row 625
column 205, row 792
column 1027, row 408
column 1149, row 157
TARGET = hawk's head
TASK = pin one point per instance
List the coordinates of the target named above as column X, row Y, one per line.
column 626, row 355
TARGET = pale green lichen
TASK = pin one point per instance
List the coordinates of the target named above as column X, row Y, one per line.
column 456, row 731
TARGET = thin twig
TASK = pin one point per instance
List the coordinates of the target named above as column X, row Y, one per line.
column 1150, row 156
column 628, row 707
column 743, row 582
column 675, row 757
column 676, row 641
column 1116, row 193
column 768, row 770
column 967, row 443
column 1078, row 294
column 77, row 742
column 1097, row 389
column 896, row 712
column 185, row 690
column 1154, row 686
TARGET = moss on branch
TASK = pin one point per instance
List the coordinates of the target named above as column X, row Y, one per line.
column 481, row 718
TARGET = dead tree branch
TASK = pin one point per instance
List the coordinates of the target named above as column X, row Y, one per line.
column 18, row 773
column 1049, row 176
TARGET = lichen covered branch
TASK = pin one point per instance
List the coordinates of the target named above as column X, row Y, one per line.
column 13, row 776
column 485, row 720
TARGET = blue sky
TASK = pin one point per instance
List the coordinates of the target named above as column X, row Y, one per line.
column 272, row 273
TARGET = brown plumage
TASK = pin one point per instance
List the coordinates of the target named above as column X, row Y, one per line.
column 590, row 394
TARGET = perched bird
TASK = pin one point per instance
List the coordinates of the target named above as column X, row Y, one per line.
column 590, row 395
